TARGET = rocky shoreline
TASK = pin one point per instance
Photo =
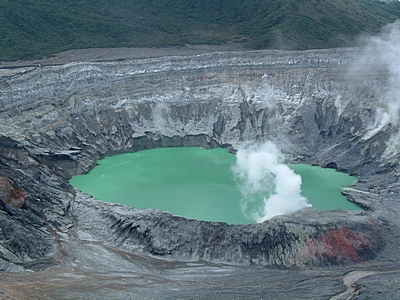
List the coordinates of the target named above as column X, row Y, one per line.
column 58, row 120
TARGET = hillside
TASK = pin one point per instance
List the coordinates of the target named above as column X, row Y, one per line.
column 32, row 29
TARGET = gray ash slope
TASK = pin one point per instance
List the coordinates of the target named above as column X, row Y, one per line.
column 57, row 121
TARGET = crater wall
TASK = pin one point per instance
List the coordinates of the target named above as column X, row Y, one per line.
column 57, row 121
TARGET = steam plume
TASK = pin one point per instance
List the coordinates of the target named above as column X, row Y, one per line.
column 382, row 54
column 268, row 186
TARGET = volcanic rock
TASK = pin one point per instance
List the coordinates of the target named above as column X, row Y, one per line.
column 59, row 120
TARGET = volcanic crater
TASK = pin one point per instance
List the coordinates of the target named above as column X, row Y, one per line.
column 58, row 120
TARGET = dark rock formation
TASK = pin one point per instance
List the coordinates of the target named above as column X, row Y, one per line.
column 57, row 121
column 296, row 240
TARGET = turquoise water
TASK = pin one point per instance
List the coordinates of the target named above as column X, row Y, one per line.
column 195, row 183
column 322, row 187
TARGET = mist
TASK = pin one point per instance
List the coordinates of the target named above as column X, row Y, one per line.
column 268, row 186
column 381, row 55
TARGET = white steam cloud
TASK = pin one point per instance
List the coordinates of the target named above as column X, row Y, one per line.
column 269, row 187
column 382, row 54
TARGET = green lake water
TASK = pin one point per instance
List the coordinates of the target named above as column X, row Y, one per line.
column 196, row 183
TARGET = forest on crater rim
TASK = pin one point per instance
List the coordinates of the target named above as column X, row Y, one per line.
column 37, row 28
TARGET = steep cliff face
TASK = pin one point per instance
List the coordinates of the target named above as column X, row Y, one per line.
column 57, row 121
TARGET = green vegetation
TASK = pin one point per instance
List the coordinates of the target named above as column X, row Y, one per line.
column 35, row 28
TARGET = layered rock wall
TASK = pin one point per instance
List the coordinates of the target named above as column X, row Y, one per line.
column 57, row 121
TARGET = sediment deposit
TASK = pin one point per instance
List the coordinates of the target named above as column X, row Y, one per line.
column 58, row 120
